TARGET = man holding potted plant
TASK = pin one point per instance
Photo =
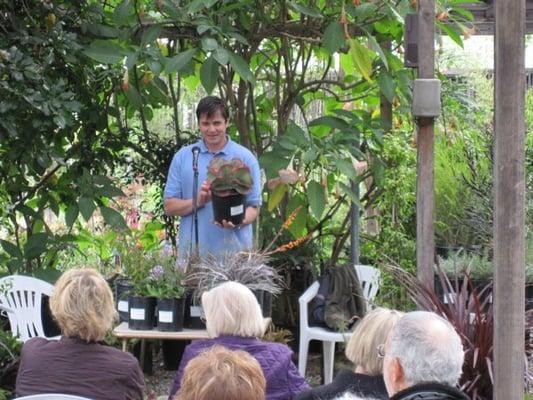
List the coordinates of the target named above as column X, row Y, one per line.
column 224, row 236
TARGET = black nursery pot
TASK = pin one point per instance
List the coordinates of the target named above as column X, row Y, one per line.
column 265, row 302
column 193, row 313
column 141, row 312
column 170, row 313
column 230, row 208
column 123, row 288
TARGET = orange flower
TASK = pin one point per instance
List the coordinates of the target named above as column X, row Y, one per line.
column 289, row 221
column 292, row 245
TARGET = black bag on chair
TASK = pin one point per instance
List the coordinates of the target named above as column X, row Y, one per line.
column 339, row 302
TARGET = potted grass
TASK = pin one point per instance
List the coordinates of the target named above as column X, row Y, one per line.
column 230, row 181
column 248, row 268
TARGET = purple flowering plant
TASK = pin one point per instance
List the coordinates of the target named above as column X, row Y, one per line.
column 154, row 272
column 166, row 279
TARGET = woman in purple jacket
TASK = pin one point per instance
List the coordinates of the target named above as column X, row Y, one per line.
column 234, row 320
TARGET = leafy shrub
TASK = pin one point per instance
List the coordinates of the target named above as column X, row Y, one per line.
column 9, row 358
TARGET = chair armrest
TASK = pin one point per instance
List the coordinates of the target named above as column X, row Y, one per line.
column 309, row 294
column 304, row 299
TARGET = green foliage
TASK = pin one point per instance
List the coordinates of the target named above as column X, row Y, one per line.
column 459, row 263
column 396, row 219
column 54, row 152
column 10, row 349
column 83, row 82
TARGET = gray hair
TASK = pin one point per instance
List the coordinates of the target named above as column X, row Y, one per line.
column 428, row 348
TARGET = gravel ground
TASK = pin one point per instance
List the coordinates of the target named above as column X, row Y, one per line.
column 159, row 382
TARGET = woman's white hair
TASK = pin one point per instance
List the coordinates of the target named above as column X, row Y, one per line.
column 428, row 347
column 232, row 309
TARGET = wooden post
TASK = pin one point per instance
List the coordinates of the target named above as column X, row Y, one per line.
column 509, row 192
column 425, row 197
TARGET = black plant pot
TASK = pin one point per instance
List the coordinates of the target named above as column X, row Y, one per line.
column 230, row 208
column 193, row 313
column 267, row 305
column 172, row 352
column 170, row 314
column 50, row 326
column 265, row 302
column 141, row 312
column 123, row 289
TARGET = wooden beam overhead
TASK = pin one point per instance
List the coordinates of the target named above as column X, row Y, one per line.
column 484, row 16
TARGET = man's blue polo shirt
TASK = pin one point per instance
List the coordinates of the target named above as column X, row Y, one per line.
column 212, row 239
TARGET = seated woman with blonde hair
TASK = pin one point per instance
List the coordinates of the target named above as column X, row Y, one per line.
column 234, row 320
column 77, row 364
column 222, row 374
column 362, row 350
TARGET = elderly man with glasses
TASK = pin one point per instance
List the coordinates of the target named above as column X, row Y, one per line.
column 423, row 359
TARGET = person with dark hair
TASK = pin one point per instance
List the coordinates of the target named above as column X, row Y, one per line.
column 213, row 121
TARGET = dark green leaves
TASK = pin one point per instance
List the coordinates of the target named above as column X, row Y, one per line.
column 105, row 51
column 86, row 207
column 307, row 10
column 151, row 34
column 10, row 249
column 113, row 218
column 316, row 197
column 179, row 61
column 209, row 74
column 36, row 245
column 333, row 38
column 241, row 67
column 71, row 214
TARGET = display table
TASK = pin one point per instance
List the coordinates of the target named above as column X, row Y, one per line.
column 124, row 333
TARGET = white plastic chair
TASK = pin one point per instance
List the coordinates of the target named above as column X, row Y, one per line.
column 52, row 396
column 369, row 279
column 20, row 297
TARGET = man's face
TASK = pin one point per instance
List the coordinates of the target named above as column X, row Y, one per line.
column 213, row 130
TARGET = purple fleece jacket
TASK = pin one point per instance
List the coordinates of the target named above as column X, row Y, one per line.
column 283, row 381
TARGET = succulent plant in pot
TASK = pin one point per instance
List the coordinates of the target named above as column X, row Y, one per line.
column 230, row 182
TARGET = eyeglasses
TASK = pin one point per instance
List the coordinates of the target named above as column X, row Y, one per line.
column 381, row 350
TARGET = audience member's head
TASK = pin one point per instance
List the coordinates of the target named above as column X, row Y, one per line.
column 222, row 374
column 232, row 309
column 368, row 334
column 82, row 304
column 422, row 347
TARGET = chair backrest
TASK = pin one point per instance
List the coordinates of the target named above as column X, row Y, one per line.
column 22, row 296
column 52, row 396
column 369, row 278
